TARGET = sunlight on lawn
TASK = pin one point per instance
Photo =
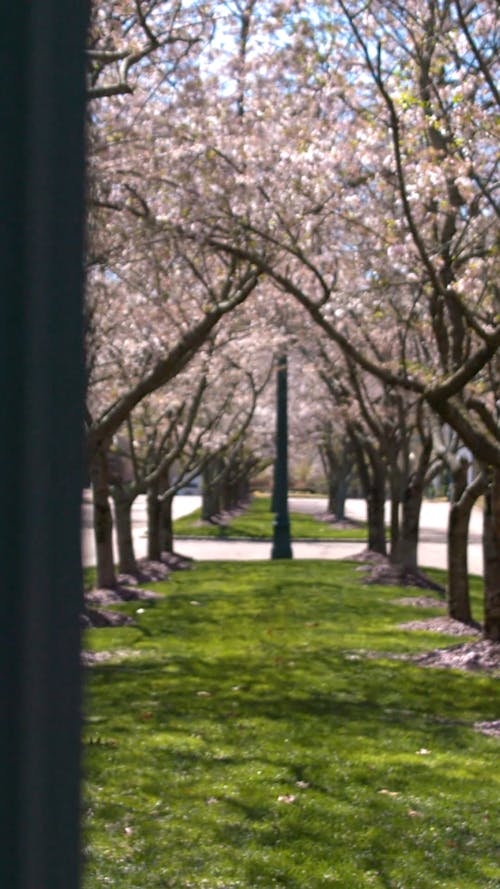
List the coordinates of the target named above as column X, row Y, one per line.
column 253, row 729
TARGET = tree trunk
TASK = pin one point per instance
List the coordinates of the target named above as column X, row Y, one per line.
column 243, row 490
column 406, row 552
column 491, row 550
column 166, row 528
column 395, row 507
column 395, row 486
column 372, row 476
column 154, row 512
column 340, row 498
column 210, row 495
column 329, row 466
column 457, row 593
column 337, row 474
column 123, row 517
column 226, row 486
column 463, row 498
column 376, row 513
column 103, row 521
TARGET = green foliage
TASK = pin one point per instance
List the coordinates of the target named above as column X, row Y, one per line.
column 257, row 523
column 253, row 730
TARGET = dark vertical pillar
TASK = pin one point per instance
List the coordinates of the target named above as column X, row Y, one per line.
column 281, row 548
column 41, row 429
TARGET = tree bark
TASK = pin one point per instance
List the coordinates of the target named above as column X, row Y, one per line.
column 491, row 550
column 340, row 497
column 227, row 496
column 243, row 489
column 395, row 485
column 457, row 593
column 463, row 498
column 332, row 490
column 210, row 495
column 395, row 525
column 406, row 551
column 123, row 517
column 337, row 471
column 329, row 467
column 166, row 527
column 372, row 476
column 154, row 511
column 376, row 512
column 103, row 521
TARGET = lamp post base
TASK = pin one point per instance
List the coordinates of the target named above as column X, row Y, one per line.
column 281, row 548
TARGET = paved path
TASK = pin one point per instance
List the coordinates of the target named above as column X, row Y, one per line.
column 433, row 516
column 245, row 550
column 432, row 548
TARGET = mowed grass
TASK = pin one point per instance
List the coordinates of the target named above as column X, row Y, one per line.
column 257, row 523
column 253, row 730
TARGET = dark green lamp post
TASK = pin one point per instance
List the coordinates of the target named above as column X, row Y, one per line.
column 281, row 548
column 42, row 91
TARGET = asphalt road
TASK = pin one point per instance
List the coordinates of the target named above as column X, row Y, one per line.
column 432, row 546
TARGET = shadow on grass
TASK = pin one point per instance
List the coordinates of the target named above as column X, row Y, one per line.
column 242, row 746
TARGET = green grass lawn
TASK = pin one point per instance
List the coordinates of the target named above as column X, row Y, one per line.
column 252, row 731
column 257, row 523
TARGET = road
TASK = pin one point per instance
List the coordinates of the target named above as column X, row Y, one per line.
column 432, row 547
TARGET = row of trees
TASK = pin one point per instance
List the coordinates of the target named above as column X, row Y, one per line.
column 329, row 173
column 398, row 447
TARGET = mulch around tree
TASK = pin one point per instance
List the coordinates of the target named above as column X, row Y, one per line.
column 479, row 655
column 476, row 655
column 128, row 590
column 381, row 571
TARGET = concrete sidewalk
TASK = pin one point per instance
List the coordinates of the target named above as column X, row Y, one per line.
column 431, row 552
column 247, row 550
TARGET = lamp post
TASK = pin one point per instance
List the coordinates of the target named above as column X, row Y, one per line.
column 281, row 548
column 42, row 93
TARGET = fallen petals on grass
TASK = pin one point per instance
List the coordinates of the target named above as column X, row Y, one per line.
column 287, row 798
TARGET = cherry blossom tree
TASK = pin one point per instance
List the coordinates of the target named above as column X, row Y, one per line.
column 132, row 41
column 155, row 438
column 152, row 307
column 402, row 225
column 370, row 199
column 390, row 435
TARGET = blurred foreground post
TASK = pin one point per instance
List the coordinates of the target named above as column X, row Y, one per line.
column 42, row 93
